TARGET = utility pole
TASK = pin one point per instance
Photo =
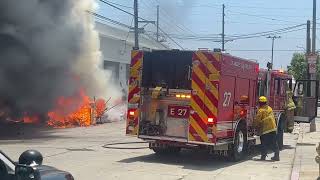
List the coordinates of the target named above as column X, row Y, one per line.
column 308, row 53
column 223, row 23
column 313, row 74
column 273, row 38
column 136, row 28
column 314, row 27
column 270, row 67
column 136, row 25
column 158, row 23
column 308, row 47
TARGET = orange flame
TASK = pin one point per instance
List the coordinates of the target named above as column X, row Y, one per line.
column 75, row 111
column 100, row 107
column 30, row 119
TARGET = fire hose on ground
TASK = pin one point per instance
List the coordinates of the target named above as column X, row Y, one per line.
column 116, row 145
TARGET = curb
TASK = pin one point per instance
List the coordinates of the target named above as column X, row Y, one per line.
column 295, row 172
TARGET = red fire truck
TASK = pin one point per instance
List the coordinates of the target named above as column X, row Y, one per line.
column 201, row 99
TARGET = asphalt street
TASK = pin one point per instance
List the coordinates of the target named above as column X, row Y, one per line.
column 81, row 151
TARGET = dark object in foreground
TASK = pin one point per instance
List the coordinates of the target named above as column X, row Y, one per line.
column 29, row 168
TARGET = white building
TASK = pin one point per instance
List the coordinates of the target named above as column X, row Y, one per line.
column 116, row 45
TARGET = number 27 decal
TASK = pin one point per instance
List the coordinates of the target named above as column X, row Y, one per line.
column 182, row 112
column 227, row 98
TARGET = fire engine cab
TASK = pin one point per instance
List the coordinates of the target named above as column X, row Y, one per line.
column 202, row 99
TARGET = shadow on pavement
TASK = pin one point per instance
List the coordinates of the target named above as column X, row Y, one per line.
column 196, row 160
column 287, row 147
column 16, row 132
column 189, row 159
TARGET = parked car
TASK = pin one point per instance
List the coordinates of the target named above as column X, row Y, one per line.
column 29, row 167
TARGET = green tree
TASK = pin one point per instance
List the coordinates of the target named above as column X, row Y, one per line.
column 298, row 66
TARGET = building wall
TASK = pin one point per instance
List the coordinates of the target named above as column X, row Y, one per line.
column 116, row 45
column 116, row 56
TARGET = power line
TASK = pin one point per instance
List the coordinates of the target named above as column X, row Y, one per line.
column 258, row 16
column 110, row 20
column 256, row 23
column 260, row 7
column 263, row 35
column 249, row 7
column 216, row 37
column 120, row 9
column 116, row 7
column 171, row 39
column 271, row 31
column 117, row 4
column 120, row 24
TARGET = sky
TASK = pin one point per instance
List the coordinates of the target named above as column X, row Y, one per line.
column 182, row 19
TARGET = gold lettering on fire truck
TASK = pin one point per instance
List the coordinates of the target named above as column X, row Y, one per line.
column 241, row 65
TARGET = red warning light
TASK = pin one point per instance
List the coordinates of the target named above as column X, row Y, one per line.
column 256, row 68
column 243, row 113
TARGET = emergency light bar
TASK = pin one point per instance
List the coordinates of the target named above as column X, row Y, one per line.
column 183, row 96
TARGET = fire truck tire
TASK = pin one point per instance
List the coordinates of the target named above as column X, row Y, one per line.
column 280, row 134
column 238, row 149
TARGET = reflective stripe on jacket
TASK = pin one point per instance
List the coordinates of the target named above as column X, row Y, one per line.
column 265, row 120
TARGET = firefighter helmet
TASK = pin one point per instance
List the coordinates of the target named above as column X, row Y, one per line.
column 30, row 157
column 263, row 99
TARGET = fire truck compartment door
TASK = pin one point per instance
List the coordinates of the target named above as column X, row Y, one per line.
column 305, row 97
column 226, row 104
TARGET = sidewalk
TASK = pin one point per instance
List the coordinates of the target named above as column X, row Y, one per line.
column 305, row 167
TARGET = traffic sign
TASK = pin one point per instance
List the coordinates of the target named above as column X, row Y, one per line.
column 312, row 59
column 312, row 68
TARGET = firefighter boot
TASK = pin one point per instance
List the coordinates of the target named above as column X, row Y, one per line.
column 276, row 157
column 263, row 157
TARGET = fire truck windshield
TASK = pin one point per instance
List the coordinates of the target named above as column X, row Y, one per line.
column 168, row 69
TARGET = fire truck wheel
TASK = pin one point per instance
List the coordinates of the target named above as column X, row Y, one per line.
column 239, row 147
column 280, row 135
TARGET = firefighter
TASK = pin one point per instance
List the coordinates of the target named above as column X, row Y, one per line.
column 300, row 96
column 290, row 106
column 266, row 123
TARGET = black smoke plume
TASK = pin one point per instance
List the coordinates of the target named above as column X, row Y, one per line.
column 48, row 49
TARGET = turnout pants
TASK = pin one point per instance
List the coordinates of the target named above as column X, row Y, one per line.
column 269, row 141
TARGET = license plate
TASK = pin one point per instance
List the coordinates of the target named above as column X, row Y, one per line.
column 178, row 111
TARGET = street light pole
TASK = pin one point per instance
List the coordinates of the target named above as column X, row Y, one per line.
column 272, row 50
